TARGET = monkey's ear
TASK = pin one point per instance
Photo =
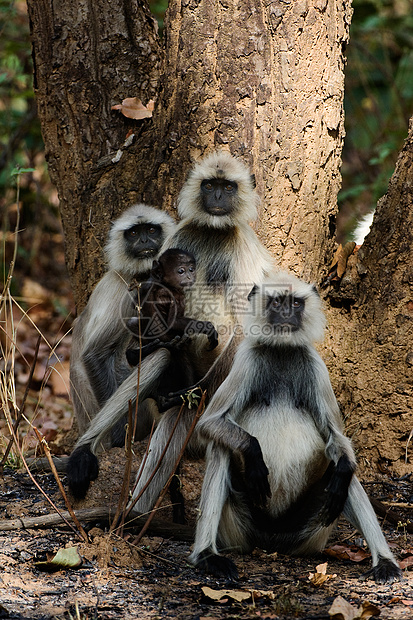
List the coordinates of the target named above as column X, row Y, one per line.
column 252, row 292
column 253, row 181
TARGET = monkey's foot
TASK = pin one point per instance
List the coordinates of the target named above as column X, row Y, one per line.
column 217, row 565
column 385, row 571
column 82, row 467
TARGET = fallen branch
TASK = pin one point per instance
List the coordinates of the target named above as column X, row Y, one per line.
column 390, row 515
column 41, row 463
column 158, row 527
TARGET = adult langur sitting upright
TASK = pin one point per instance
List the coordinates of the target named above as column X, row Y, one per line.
column 217, row 203
column 280, row 470
column 100, row 335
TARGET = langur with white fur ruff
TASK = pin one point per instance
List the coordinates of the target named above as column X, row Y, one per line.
column 98, row 363
column 279, row 468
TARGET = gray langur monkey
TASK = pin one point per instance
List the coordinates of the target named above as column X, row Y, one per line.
column 216, row 204
column 100, row 337
column 279, row 468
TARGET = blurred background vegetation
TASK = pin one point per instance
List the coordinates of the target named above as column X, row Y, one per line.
column 378, row 104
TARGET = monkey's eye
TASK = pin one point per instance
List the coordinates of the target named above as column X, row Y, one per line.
column 152, row 230
column 298, row 303
column 181, row 270
column 209, row 187
column 230, row 187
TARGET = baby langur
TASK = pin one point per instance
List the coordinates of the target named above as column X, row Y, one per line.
column 279, row 468
column 100, row 337
column 161, row 309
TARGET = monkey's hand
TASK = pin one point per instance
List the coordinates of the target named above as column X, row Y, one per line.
column 337, row 490
column 256, row 473
column 189, row 396
column 82, row 467
column 212, row 337
column 134, row 356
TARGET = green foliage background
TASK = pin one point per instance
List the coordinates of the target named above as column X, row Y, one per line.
column 378, row 104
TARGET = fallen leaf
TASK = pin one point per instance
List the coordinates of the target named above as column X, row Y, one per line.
column 406, row 562
column 318, row 578
column 33, row 292
column 218, row 595
column 368, row 610
column 407, row 602
column 343, row 552
column 133, row 107
column 343, row 610
column 59, row 378
column 64, row 558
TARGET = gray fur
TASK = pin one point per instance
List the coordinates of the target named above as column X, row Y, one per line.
column 230, row 260
column 98, row 364
column 297, row 440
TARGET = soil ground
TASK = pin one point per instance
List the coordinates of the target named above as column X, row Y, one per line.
column 119, row 579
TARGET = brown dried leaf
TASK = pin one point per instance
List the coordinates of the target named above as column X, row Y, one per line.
column 343, row 258
column 368, row 610
column 59, row 378
column 343, row 552
column 340, row 258
column 342, row 610
column 134, row 108
column 336, row 257
column 318, row 578
column 218, row 595
column 407, row 562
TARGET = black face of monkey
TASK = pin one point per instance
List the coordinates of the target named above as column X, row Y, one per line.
column 286, row 311
column 218, row 196
column 143, row 240
column 179, row 272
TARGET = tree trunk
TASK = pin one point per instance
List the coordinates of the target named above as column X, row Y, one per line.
column 264, row 79
column 87, row 57
column 370, row 351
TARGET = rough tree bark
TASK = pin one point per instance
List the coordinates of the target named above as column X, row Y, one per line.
column 370, row 346
column 264, row 79
column 87, row 57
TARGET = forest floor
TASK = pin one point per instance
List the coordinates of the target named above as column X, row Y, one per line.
column 118, row 578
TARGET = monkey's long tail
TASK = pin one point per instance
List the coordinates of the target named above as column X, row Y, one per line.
column 117, row 406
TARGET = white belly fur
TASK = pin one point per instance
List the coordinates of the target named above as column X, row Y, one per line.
column 292, row 448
